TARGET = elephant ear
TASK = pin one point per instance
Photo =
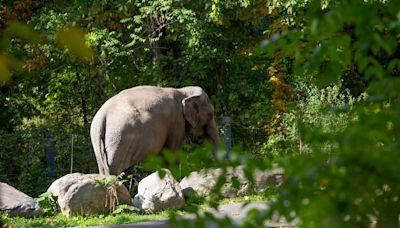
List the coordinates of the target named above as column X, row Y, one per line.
column 191, row 108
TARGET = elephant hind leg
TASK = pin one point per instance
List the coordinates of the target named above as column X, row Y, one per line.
column 118, row 164
column 115, row 170
column 120, row 154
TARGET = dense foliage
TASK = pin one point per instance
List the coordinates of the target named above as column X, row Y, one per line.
column 319, row 96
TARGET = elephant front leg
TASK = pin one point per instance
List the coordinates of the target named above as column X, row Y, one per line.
column 173, row 144
column 174, row 140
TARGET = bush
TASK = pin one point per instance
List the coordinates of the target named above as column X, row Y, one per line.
column 48, row 203
column 327, row 109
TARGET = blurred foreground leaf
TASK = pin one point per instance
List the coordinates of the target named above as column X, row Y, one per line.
column 4, row 70
column 23, row 31
column 73, row 39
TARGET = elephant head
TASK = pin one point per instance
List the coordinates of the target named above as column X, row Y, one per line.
column 199, row 115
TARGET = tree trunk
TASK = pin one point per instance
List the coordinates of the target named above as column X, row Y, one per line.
column 100, row 85
column 82, row 93
column 155, row 29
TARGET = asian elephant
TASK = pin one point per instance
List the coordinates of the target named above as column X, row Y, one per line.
column 143, row 120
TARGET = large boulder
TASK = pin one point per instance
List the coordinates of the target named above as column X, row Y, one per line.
column 201, row 183
column 157, row 194
column 17, row 203
column 82, row 194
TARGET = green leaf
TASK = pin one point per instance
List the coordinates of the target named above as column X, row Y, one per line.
column 125, row 208
column 169, row 156
column 329, row 74
column 387, row 87
column 345, row 52
column 125, row 20
column 137, row 19
column 374, row 71
column 394, row 65
column 162, row 173
column 315, row 59
column 153, row 163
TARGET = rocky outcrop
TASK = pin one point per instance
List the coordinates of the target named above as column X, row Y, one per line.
column 17, row 203
column 157, row 194
column 82, row 194
column 202, row 183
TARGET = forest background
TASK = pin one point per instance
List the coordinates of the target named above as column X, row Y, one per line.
column 312, row 86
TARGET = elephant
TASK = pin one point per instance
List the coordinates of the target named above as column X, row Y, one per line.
column 144, row 120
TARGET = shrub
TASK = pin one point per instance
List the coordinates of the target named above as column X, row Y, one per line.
column 327, row 109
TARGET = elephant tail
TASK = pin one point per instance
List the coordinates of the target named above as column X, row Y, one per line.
column 103, row 157
column 98, row 140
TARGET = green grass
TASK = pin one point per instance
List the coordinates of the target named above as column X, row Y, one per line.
column 60, row 220
column 244, row 199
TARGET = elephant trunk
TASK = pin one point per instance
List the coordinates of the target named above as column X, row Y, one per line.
column 213, row 134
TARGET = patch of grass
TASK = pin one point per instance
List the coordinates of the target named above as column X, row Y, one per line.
column 213, row 201
column 60, row 220
column 269, row 194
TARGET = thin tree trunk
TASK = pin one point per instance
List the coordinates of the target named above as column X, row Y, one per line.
column 155, row 31
column 100, row 85
column 82, row 92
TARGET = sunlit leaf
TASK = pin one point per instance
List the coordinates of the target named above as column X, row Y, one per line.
column 73, row 39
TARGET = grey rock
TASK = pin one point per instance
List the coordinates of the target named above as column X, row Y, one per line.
column 267, row 178
column 17, row 203
column 156, row 194
column 201, row 183
column 81, row 194
column 60, row 186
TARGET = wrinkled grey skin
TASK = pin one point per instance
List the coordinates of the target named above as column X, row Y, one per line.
column 145, row 119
